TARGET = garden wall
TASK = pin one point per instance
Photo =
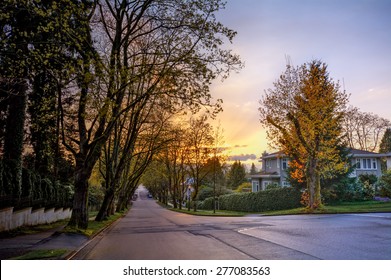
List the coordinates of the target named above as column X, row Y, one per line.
column 10, row 219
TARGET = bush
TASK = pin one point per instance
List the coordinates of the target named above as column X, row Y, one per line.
column 274, row 199
column 385, row 184
column 244, row 187
column 204, row 193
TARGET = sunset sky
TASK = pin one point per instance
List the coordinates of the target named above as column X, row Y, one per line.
column 352, row 36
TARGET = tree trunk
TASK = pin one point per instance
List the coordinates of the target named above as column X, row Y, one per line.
column 313, row 185
column 105, row 207
column 14, row 135
column 79, row 218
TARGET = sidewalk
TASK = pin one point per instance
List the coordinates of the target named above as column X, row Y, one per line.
column 51, row 239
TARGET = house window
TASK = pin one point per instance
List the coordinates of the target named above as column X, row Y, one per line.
column 284, row 164
column 366, row 164
column 265, row 184
column 268, row 163
column 285, row 184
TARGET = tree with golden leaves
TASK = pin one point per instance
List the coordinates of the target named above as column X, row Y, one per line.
column 303, row 115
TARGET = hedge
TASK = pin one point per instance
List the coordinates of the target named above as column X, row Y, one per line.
column 274, row 199
column 35, row 191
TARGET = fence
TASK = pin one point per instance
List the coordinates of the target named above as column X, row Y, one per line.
column 10, row 219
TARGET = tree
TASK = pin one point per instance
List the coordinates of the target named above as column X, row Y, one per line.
column 253, row 169
column 364, row 130
column 303, row 114
column 236, row 175
column 199, row 143
column 36, row 37
column 385, row 145
column 172, row 49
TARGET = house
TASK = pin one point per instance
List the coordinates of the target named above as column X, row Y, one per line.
column 275, row 165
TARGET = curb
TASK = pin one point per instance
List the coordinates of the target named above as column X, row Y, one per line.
column 70, row 255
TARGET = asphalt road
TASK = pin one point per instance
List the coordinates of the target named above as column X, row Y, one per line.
column 152, row 232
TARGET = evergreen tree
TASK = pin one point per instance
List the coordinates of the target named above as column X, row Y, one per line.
column 236, row 175
column 303, row 115
column 253, row 169
column 385, row 146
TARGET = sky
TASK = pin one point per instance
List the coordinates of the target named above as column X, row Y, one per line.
column 353, row 37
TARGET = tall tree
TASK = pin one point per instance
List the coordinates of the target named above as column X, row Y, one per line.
column 303, row 114
column 385, row 145
column 253, row 169
column 167, row 48
column 199, row 143
column 236, row 175
column 364, row 130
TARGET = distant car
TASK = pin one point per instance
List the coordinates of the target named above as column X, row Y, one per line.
column 149, row 195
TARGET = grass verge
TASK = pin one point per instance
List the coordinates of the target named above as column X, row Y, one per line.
column 339, row 208
column 95, row 227
column 210, row 212
column 52, row 254
column 42, row 255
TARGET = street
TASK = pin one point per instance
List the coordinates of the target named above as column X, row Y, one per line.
column 151, row 232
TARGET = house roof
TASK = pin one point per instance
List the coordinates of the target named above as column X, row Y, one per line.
column 353, row 152
column 363, row 153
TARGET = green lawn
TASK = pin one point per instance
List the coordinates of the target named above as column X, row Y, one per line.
column 94, row 226
column 42, row 255
column 210, row 212
column 338, row 208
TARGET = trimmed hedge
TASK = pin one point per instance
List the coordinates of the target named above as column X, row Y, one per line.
column 274, row 199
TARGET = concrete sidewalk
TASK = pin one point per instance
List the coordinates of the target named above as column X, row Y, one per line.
column 51, row 239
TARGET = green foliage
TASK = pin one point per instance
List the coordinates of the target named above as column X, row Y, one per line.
column 253, row 169
column 369, row 178
column 272, row 186
column 385, row 184
column 303, row 115
column 275, row 199
column 244, row 187
column 204, row 193
column 385, row 144
column 236, row 175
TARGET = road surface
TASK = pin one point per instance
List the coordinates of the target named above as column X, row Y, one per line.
column 151, row 232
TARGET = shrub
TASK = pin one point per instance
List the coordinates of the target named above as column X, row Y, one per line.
column 385, row 184
column 274, row 199
column 244, row 187
column 204, row 193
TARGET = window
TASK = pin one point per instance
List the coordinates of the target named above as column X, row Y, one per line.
column 366, row 163
column 265, row 184
column 268, row 163
column 358, row 163
column 285, row 183
column 284, row 163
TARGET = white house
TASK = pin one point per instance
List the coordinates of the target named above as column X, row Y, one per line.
column 275, row 165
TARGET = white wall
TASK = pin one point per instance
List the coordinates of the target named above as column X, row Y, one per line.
column 27, row 217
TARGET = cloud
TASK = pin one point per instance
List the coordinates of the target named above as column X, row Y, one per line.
column 240, row 146
column 243, row 157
